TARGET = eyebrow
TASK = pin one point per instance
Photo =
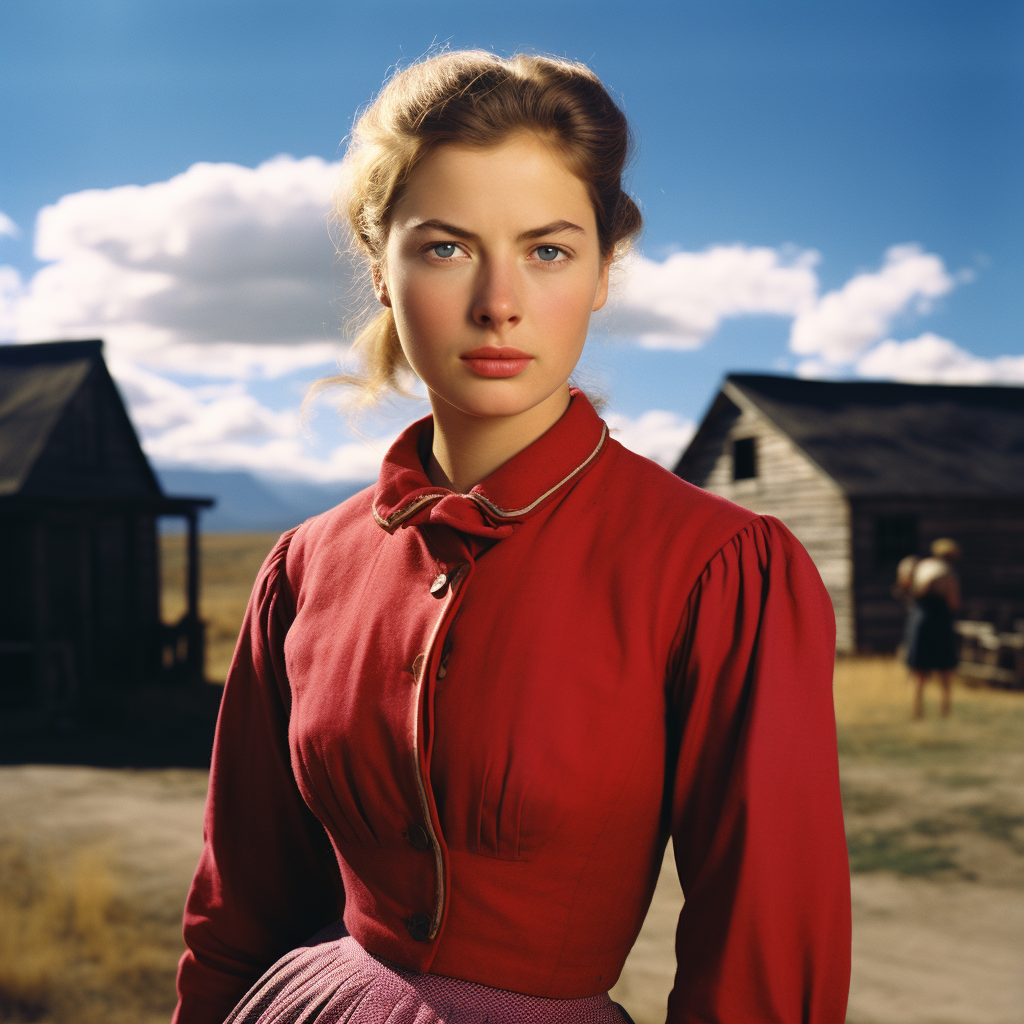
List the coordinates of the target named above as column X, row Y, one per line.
column 548, row 229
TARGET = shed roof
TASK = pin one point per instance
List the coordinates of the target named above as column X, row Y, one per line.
column 885, row 439
column 37, row 383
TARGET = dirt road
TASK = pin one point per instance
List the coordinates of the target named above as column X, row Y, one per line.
column 926, row 951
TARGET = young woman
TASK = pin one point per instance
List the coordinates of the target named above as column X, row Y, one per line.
column 931, row 642
column 470, row 705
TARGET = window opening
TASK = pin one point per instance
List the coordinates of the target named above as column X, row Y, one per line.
column 895, row 537
column 744, row 458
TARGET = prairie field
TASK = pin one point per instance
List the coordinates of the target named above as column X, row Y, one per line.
column 95, row 862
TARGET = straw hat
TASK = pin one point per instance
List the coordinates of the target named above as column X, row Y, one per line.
column 946, row 547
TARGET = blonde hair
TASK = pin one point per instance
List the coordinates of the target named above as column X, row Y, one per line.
column 473, row 97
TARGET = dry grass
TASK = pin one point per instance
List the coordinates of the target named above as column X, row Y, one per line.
column 939, row 797
column 228, row 566
column 71, row 950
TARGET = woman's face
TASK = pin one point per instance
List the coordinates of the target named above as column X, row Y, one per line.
column 492, row 270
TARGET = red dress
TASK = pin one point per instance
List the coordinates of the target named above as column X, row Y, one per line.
column 470, row 722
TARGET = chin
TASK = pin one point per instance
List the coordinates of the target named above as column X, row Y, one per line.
column 489, row 401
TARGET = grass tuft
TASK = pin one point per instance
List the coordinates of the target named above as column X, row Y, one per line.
column 70, row 951
column 893, row 850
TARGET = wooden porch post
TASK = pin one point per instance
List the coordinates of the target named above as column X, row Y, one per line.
column 193, row 563
column 196, row 663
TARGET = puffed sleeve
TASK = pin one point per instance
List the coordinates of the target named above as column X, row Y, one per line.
column 267, row 878
column 757, row 823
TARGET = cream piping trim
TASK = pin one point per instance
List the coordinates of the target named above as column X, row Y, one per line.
column 533, row 504
column 396, row 518
column 421, row 682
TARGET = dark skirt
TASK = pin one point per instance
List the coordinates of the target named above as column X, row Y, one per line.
column 931, row 639
column 333, row 980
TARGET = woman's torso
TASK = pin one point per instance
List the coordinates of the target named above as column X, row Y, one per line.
column 488, row 751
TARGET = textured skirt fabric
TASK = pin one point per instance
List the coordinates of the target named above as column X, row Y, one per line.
column 333, row 980
column 931, row 639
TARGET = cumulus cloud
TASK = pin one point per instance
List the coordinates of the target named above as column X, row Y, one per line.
column 8, row 227
column 681, row 301
column 655, row 434
column 842, row 324
column 220, row 270
column 930, row 359
column 221, row 426
column 226, row 272
column 11, row 291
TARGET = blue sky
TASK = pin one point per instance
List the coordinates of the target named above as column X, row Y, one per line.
column 786, row 130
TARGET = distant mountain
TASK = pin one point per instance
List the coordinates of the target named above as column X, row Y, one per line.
column 249, row 504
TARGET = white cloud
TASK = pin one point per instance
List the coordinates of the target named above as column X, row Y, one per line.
column 11, row 291
column 930, row 359
column 221, row 270
column 680, row 302
column 227, row 272
column 220, row 426
column 8, row 227
column 655, row 434
column 844, row 323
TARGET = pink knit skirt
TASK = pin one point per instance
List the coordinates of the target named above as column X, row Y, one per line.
column 334, row 980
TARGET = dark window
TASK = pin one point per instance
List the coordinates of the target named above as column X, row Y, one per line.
column 895, row 537
column 744, row 458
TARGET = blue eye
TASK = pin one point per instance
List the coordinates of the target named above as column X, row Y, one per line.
column 445, row 250
column 548, row 253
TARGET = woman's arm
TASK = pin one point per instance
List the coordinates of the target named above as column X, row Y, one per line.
column 267, row 878
column 757, row 824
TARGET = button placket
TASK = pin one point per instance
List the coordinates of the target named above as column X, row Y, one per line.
column 422, row 927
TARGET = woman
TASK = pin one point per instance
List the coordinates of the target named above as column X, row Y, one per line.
column 931, row 640
column 469, row 705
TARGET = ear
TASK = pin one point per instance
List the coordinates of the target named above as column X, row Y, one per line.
column 601, row 297
column 380, row 286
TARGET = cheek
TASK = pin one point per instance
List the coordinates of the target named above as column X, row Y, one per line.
column 426, row 309
column 566, row 312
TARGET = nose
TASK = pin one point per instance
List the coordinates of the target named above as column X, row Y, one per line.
column 496, row 302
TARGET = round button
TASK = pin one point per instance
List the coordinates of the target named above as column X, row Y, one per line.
column 417, row 664
column 440, row 581
column 419, row 927
column 418, row 838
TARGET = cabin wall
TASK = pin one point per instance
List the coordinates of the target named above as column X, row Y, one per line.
column 79, row 606
column 991, row 534
column 791, row 488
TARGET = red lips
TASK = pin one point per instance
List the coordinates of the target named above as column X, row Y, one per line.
column 491, row 361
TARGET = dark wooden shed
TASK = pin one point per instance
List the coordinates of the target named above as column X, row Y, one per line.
column 867, row 472
column 79, row 558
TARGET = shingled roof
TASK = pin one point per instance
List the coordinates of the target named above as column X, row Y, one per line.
column 36, row 384
column 39, row 385
column 885, row 439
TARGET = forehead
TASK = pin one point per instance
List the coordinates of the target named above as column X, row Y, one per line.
column 521, row 182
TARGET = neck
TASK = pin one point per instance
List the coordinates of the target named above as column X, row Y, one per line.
column 467, row 449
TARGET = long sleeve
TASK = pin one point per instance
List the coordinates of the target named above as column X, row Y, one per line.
column 757, row 824
column 267, row 878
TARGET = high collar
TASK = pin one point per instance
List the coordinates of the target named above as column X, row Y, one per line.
column 520, row 488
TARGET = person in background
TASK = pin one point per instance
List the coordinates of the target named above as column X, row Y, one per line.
column 931, row 640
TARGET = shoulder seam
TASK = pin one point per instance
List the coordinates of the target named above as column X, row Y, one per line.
column 754, row 518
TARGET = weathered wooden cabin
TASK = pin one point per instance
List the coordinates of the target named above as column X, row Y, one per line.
column 79, row 570
column 866, row 472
